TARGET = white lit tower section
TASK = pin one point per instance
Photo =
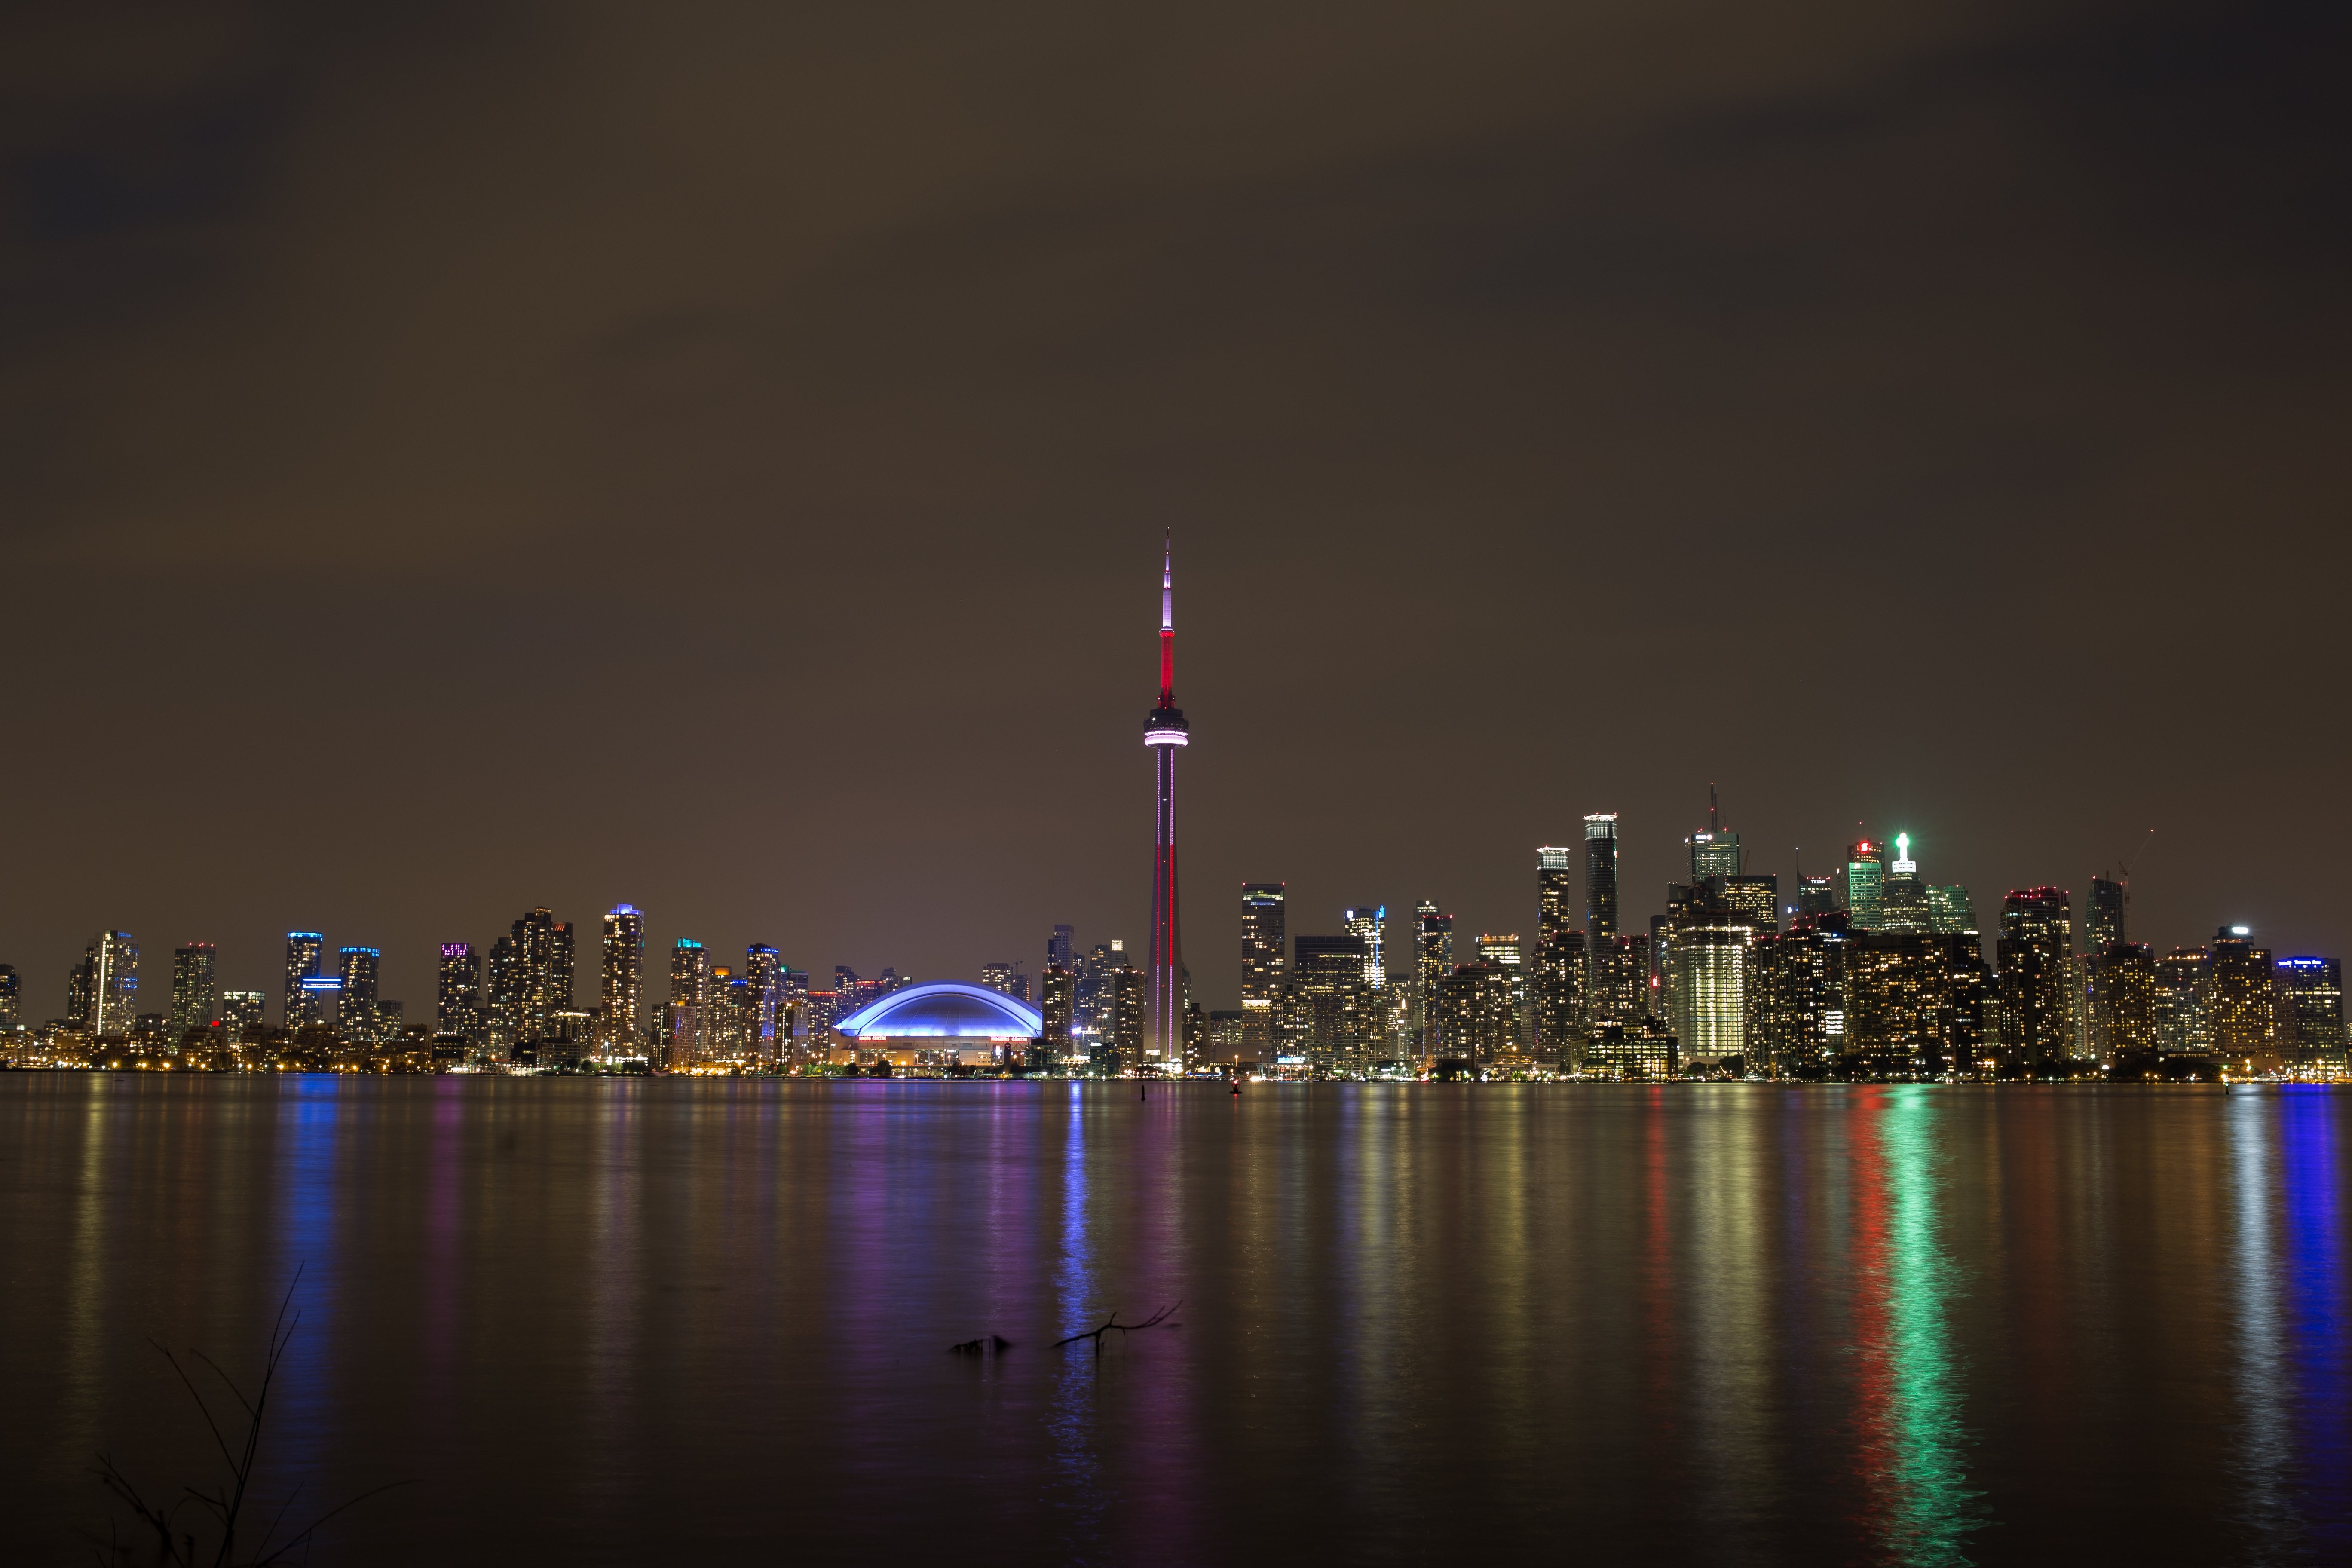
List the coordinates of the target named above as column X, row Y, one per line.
column 1163, row 732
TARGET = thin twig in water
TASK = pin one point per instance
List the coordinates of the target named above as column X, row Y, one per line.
column 1152, row 1322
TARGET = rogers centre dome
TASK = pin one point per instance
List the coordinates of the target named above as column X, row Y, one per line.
column 939, row 1022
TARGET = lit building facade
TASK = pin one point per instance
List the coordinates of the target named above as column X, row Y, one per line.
column 458, row 994
column 2241, row 1006
column 1902, row 896
column 2312, row 993
column 1057, row 997
column 1865, row 880
column 1328, row 1016
column 357, row 975
column 2036, row 952
column 1366, row 922
column 621, row 1002
column 305, row 950
column 242, row 1014
column 1949, row 911
column 196, row 991
column 102, row 995
column 1264, row 943
column 1433, row 961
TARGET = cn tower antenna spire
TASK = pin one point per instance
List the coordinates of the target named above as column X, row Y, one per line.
column 1168, row 621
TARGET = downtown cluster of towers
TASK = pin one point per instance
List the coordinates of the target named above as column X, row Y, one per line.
column 1869, row 972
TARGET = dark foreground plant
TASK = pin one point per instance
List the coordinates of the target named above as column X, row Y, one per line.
column 215, row 1514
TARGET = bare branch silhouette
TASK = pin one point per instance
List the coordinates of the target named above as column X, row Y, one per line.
column 1153, row 1322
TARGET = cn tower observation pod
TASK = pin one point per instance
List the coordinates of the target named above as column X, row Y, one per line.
column 937, row 1025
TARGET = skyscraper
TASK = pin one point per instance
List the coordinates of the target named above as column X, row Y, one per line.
column 2036, row 952
column 1503, row 953
column 104, row 996
column 457, row 1000
column 1163, row 731
column 763, row 995
column 1601, row 875
column 11, row 997
column 2241, row 1011
column 2180, row 1002
column 1866, row 879
column 538, row 979
column 1057, row 950
column 2102, row 924
column 1328, row 1003
column 194, row 993
column 1432, row 961
column 241, row 1013
column 2312, row 991
column 1714, row 852
column 1817, row 895
column 304, row 949
column 1902, row 896
column 1264, row 962
column 1057, row 996
column 355, row 1005
column 1949, row 912
column 1559, row 959
column 690, row 995
column 1365, row 921
column 621, row 1008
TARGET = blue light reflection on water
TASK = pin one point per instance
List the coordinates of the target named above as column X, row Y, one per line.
column 2311, row 1272
column 309, row 1183
column 1074, row 1489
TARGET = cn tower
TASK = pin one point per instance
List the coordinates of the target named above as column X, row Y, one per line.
column 1163, row 1042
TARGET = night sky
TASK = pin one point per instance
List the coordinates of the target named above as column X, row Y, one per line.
column 460, row 458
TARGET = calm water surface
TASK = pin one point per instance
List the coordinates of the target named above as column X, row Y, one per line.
column 632, row 1321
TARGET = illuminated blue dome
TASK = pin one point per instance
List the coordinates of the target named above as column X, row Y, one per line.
column 945, row 1010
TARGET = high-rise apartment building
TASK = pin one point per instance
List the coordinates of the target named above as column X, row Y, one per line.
column 1433, row 961
column 2103, row 921
column 1057, row 996
column 2312, row 993
column 1559, row 961
column 11, row 997
column 196, row 993
column 683, row 1032
column 304, row 1004
column 2037, row 991
column 536, row 982
column 2123, row 1002
column 1601, row 875
column 1004, row 976
column 1263, row 964
column 1502, row 953
column 102, row 995
column 1058, row 953
column 1330, row 1017
column 764, row 1022
column 2181, row 1028
column 358, row 972
column 1702, row 948
column 1365, row 920
column 457, row 995
column 620, row 1002
column 241, row 1014
column 1865, row 880
column 2241, row 1006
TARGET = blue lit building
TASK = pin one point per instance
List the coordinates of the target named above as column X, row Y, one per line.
column 940, row 1024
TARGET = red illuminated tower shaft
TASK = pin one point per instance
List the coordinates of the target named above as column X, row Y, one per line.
column 1164, row 732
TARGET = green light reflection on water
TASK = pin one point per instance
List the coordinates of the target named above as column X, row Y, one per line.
column 1933, row 1506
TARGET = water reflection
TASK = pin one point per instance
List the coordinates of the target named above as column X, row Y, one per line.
column 2315, row 1330
column 1914, row 1445
column 1074, row 1489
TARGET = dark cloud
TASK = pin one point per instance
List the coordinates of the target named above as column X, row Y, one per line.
column 457, row 459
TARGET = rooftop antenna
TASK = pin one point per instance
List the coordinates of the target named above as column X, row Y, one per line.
column 1713, row 817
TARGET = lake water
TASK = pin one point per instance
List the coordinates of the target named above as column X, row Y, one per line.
column 652, row 1320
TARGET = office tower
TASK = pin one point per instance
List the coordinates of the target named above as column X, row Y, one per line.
column 1057, row 994
column 2124, row 1019
column 457, row 998
column 11, row 997
column 355, row 1007
column 2036, row 951
column 1754, row 900
column 2312, row 993
column 2241, row 1011
column 1264, row 929
column 1058, row 950
column 1902, row 896
column 1796, row 997
column 1816, row 896
column 2103, row 918
column 1949, row 912
column 764, row 981
column 1559, row 983
column 1714, row 852
column 1618, row 989
column 620, row 1002
column 1164, row 732
column 1328, row 1005
column 1971, row 1006
column 1432, row 961
column 304, row 949
column 1365, row 920
column 1865, row 877
column 1503, row 953
column 1700, row 949
column 194, row 992
column 1228, row 1037
column 241, row 1014
column 102, row 994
